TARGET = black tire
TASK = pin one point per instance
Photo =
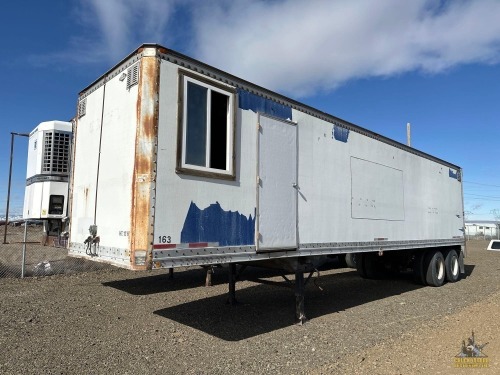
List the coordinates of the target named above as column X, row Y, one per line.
column 351, row 260
column 452, row 265
column 435, row 268
column 342, row 260
column 419, row 270
column 368, row 266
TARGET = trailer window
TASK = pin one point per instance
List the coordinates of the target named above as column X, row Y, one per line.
column 206, row 127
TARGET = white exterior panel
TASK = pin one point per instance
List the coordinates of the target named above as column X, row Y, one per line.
column 86, row 156
column 104, row 167
column 181, row 198
column 333, row 209
column 116, row 165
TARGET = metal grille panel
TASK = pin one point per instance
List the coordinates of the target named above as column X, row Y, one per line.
column 56, row 152
column 82, row 107
column 133, row 76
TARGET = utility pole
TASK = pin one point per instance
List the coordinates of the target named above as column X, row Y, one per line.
column 496, row 215
column 12, row 134
column 408, row 134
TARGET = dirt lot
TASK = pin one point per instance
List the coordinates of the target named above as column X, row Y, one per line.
column 118, row 321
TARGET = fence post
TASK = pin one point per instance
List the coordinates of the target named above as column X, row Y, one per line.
column 12, row 134
column 23, row 258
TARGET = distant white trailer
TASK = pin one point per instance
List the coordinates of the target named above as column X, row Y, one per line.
column 47, row 176
column 177, row 163
column 481, row 229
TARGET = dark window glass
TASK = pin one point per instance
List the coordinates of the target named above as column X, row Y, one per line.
column 218, row 130
column 56, row 205
column 196, row 134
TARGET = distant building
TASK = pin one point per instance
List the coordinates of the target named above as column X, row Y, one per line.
column 482, row 228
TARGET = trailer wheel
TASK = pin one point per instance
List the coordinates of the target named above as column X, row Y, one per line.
column 419, row 269
column 435, row 268
column 351, row 260
column 368, row 266
column 452, row 266
column 342, row 260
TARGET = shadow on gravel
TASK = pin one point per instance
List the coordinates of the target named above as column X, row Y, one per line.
column 265, row 308
column 469, row 268
column 193, row 278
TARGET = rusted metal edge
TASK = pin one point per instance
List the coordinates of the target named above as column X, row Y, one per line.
column 144, row 175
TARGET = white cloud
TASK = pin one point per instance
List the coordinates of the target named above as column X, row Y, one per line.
column 300, row 47
column 125, row 24
column 293, row 46
column 108, row 30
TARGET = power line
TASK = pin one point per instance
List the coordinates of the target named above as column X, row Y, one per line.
column 478, row 183
column 483, row 196
column 487, row 200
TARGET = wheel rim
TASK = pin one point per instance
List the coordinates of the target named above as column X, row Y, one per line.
column 454, row 266
column 440, row 269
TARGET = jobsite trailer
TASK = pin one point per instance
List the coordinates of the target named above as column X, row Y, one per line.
column 177, row 163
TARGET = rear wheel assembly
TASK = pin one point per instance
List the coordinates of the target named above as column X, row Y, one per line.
column 435, row 269
column 368, row 265
column 451, row 262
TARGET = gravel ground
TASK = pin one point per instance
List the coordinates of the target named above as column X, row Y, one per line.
column 122, row 322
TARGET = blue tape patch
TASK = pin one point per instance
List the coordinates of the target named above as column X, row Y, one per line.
column 257, row 103
column 340, row 134
column 213, row 224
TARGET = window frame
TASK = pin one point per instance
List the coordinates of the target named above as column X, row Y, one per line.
column 182, row 167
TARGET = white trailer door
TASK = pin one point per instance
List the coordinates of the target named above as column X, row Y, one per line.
column 276, row 184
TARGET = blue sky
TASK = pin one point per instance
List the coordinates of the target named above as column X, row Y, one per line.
column 378, row 64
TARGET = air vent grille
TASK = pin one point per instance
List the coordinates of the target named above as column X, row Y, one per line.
column 56, row 148
column 82, row 107
column 132, row 76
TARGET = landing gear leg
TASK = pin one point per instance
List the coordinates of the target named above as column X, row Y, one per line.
column 232, row 285
column 300, row 315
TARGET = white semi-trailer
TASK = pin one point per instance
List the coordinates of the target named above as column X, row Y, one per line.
column 47, row 175
column 177, row 163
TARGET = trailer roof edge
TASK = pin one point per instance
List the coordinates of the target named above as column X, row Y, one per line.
column 274, row 95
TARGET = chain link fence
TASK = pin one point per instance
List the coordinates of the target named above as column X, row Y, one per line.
column 29, row 252
column 482, row 237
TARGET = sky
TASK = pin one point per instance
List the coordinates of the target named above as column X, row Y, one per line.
column 378, row 64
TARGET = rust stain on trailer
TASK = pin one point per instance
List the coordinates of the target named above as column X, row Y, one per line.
column 141, row 237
